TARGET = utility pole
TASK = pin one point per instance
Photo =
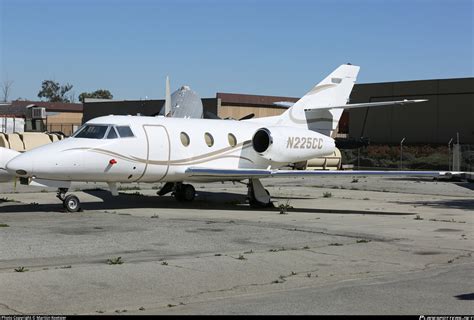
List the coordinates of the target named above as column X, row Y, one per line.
column 457, row 155
column 358, row 158
column 449, row 154
column 401, row 153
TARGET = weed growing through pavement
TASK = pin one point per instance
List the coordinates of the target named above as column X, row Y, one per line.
column 327, row 195
column 284, row 207
column 117, row 260
column 21, row 269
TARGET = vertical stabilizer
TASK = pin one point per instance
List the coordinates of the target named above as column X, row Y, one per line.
column 313, row 111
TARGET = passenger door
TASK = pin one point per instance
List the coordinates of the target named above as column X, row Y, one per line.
column 158, row 153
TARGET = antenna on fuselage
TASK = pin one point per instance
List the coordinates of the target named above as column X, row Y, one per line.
column 167, row 98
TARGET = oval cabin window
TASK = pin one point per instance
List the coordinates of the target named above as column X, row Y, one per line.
column 232, row 140
column 184, row 139
column 209, row 139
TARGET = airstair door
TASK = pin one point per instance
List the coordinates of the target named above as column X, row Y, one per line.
column 158, row 153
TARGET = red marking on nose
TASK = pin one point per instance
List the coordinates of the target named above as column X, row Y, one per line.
column 112, row 161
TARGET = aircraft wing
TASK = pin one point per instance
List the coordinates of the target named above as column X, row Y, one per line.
column 228, row 174
column 296, row 173
column 241, row 174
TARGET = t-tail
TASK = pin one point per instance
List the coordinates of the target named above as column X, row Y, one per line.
column 321, row 108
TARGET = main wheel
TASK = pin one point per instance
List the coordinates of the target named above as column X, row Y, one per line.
column 188, row 192
column 185, row 193
column 71, row 203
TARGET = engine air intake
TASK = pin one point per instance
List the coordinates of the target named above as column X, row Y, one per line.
column 261, row 140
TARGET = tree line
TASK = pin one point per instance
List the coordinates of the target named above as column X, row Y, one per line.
column 53, row 91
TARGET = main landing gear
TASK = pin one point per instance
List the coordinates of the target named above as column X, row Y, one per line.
column 184, row 192
column 71, row 203
column 258, row 196
column 181, row 191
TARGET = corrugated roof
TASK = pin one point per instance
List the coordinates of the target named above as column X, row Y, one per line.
column 51, row 106
column 18, row 108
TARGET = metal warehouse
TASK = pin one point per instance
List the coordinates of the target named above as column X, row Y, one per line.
column 448, row 111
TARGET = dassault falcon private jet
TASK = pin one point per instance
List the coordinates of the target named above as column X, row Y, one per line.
column 121, row 149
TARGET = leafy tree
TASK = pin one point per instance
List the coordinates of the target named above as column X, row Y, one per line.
column 98, row 94
column 54, row 92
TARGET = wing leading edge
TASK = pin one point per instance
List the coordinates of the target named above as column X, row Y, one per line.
column 241, row 174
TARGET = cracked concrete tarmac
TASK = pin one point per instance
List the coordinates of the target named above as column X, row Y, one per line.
column 404, row 249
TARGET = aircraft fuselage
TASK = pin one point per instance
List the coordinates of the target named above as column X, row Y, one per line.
column 161, row 149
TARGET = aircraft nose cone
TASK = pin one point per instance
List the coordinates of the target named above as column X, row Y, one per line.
column 20, row 166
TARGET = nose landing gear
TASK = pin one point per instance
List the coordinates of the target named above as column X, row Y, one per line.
column 71, row 203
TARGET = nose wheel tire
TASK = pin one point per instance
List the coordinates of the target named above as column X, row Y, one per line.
column 71, row 203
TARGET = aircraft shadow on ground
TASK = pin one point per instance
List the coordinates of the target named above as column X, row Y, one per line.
column 467, row 296
column 204, row 200
column 467, row 185
column 463, row 184
column 464, row 204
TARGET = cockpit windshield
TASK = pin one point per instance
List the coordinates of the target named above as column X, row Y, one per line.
column 98, row 131
column 91, row 131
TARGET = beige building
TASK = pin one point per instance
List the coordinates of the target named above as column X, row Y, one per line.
column 236, row 106
column 43, row 116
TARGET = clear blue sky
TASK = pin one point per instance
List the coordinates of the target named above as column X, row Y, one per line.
column 260, row 47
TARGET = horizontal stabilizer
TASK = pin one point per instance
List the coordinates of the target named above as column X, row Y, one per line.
column 288, row 104
column 369, row 104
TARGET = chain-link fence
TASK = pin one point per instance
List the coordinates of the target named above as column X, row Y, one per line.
column 410, row 157
column 66, row 128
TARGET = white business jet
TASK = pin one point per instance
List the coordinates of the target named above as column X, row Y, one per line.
column 121, row 149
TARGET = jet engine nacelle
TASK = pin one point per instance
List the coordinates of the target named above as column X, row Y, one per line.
column 289, row 144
